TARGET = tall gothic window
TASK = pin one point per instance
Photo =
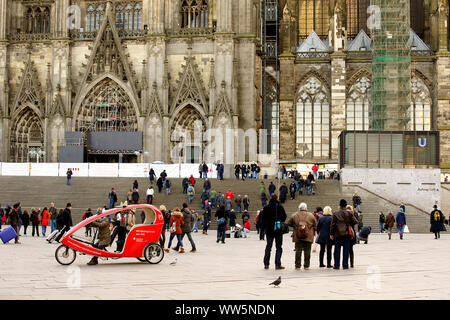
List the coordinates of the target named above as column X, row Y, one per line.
column 356, row 17
column 313, row 121
column 37, row 19
column 313, row 16
column 420, row 110
column 194, row 14
column 357, row 105
column 128, row 15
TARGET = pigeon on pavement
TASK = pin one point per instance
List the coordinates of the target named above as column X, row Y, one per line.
column 174, row 262
column 277, row 282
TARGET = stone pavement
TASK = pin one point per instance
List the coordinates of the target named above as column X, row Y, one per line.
column 415, row 268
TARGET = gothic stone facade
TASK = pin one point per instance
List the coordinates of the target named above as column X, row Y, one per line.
column 170, row 64
column 327, row 91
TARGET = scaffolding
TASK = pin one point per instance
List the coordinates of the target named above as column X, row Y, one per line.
column 269, row 72
column 391, row 66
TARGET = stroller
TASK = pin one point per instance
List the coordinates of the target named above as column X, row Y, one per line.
column 238, row 231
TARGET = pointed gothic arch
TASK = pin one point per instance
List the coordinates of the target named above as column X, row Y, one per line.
column 358, row 100
column 106, row 107
column 313, row 121
column 421, row 109
column 26, row 134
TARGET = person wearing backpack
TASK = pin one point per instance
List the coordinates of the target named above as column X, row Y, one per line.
column 342, row 233
column 222, row 217
column 437, row 222
column 272, row 213
column 190, row 193
column 304, row 225
column 401, row 221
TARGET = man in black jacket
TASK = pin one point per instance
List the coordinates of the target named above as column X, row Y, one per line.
column 272, row 213
column 272, row 189
column 66, row 221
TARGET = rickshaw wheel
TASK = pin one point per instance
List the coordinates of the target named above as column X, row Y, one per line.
column 153, row 253
column 142, row 259
column 65, row 255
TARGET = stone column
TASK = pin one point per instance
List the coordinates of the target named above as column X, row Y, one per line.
column 443, row 106
column 155, row 11
column 443, row 11
column 337, row 103
column 3, row 18
column 287, row 142
column 224, row 20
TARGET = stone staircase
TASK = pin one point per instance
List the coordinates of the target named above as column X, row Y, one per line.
column 93, row 192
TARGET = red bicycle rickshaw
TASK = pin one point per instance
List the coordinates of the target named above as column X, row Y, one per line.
column 142, row 241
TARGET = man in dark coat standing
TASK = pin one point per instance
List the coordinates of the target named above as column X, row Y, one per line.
column 66, row 221
column 283, row 193
column 272, row 189
column 340, row 223
column 437, row 222
column 69, row 176
column 185, row 184
column 271, row 213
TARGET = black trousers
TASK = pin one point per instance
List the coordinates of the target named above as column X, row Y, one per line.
column 328, row 247
column 35, row 227
column 25, row 226
column 278, row 246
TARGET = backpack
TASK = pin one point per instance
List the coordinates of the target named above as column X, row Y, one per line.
column 437, row 216
column 302, row 230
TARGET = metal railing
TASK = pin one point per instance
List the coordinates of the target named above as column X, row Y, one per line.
column 191, row 32
column 29, row 36
column 313, row 54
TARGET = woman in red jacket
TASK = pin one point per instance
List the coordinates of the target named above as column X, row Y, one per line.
column 176, row 221
column 45, row 219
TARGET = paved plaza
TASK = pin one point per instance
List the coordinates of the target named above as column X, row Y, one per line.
column 415, row 268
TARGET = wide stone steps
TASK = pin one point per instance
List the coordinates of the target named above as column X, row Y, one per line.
column 93, row 192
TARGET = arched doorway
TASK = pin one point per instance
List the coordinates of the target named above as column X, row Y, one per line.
column 27, row 137
column 107, row 108
column 186, row 136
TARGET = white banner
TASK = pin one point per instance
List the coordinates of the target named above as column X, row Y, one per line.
column 44, row 169
column 131, row 170
column 15, row 169
column 78, row 169
column 104, row 170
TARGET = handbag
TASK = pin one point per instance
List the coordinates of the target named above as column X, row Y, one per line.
column 173, row 228
column 220, row 221
column 406, row 229
column 351, row 234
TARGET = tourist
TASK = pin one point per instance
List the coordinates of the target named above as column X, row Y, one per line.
column 246, row 228
column 135, row 185
column 283, row 173
column 207, row 186
column 356, row 201
column 304, row 225
column 212, row 197
column 160, row 184
column 271, row 213
column 168, row 184
column 381, row 221
column 315, row 169
column 300, row 185
column 323, row 237
column 262, row 188
column 308, row 187
column 364, row 234
column 437, row 222
column 69, row 174
column 292, row 190
column 283, row 193
column 163, row 175
column 390, row 221
column 166, row 217
column 135, row 196
column 220, row 200
column 130, row 196
column 186, row 228
column 200, row 170
column 150, row 194
column 196, row 219
column 238, row 204
column 206, row 219
column 112, row 196
column 45, row 219
column 192, row 180
column 237, row 169
column 229, row 195
column 243, row 171
column 53, row 215
column 66, row 221
column 190, row 193
column 19, row 212
column 205, row 170
column 222, row 217
column 401, row 222
column 228, row 204
column 152, row 175
column 25, row 221
column 317, row 214
column 14, row 220
column 232, row 215
column 87, row 215
column 245, row 215
column 354, row 239
column 339, row 232
column 246, row 202
column 34, row 219
column 104, row 237
column 272, row 189
column 263, row 200
column 185, row 184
